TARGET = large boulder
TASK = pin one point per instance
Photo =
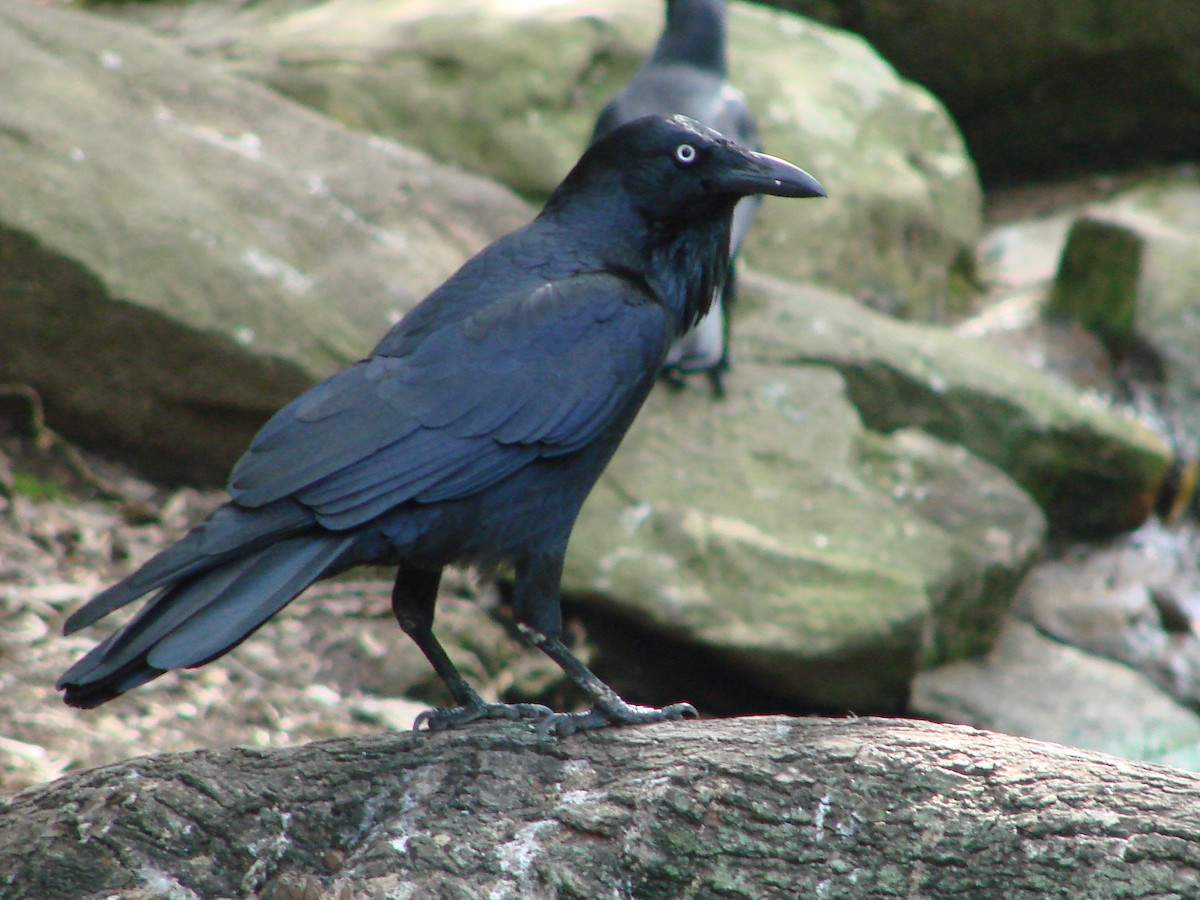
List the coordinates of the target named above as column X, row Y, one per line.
column 827, row 562
column 1045, row 89
column 182, row 251
column 812, row 530
column 512, row 90
column 1094, row 470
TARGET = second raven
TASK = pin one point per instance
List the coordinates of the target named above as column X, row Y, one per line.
column 687, row 74
column 470, row 435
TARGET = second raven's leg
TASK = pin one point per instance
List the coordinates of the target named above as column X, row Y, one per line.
column 413, row 598
column 536, row 607
column 703, row 349
column 716, row 375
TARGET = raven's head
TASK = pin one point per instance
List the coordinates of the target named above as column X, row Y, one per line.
column 663, row 189
column 675, row 168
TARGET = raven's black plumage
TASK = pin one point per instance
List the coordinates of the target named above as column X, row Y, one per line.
column 687, row 74
column 471, row 434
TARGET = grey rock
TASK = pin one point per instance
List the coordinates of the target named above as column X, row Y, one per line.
column 1135, row 599
column 996, row 530
column 813, row 530
column 512, row 89
column 182, row 251
column 1163, row 215
column 774, row 531
column 1141, row 286
column 1093, row 469
column 1034, row 686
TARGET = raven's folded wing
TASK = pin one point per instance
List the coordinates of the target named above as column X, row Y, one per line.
column 476, row 399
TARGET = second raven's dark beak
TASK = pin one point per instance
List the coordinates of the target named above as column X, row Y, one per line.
column 757, row 173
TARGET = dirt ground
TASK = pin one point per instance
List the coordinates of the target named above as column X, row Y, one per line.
column 333, row 663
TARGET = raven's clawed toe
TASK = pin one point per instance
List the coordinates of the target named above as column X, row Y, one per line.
column 566, row 724
column 454, row 717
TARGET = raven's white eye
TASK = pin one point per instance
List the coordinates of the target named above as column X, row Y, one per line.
column 686, row 154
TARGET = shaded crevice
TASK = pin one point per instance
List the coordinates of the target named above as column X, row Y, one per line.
column 125, row 380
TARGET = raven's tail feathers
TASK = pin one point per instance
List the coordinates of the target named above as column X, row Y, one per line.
column 229, row 532
column 201, row 617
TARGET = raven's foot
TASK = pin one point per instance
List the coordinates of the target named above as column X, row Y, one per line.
column 565, row 724
column 676, row 379
column 716, row 380
column 673, row 378
column 453, row 717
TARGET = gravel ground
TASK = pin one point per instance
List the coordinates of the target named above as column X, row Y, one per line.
column 333, row 663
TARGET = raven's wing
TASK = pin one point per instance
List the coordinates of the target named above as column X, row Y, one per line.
column 476, row 399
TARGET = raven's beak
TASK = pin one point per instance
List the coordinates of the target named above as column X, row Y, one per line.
column 757, row 173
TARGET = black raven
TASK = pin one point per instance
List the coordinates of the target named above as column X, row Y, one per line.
column 687, row 74
column 470, row 435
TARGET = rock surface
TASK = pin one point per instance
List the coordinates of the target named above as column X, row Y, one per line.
column 1093, row 470
column 1135, row 599
column 773, row 531
column 812, row 531
column 182, row 251
column 1138, row 297
column 1163, row 217
column 512, row 89
column 1033, row 686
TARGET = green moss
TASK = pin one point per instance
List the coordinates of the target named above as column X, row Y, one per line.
column 29, row 485
column 1097, row 283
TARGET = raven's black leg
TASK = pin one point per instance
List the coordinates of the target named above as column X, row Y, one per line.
column 607, row 706
column 536, row 607
column 413, row 598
